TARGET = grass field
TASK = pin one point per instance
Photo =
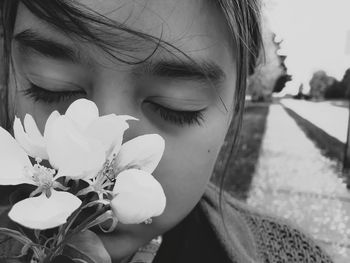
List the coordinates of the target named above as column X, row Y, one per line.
column 241, row 167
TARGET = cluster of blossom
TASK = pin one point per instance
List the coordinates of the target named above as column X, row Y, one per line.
column 82, row 149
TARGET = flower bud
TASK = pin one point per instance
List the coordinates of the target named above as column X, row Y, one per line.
column 138, row 196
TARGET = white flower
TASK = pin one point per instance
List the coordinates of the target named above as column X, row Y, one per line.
column 30, row 139
column 46, row 211
column 143, row 152
column 82, row 145
column 138, row 196
column 79, row 142
column 76, row 144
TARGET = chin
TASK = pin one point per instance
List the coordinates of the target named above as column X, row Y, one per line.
column 126, row 239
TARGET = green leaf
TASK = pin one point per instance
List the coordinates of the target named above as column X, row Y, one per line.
column 9, row 246
column 13, row 245
column 87, row 247
column 16, row 235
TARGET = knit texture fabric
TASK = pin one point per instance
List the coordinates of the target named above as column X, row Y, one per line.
column 237, row 235
column 147, row 253
column 253, row 237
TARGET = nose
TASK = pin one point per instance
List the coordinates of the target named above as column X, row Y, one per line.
column 120, row 101
column 115, row 102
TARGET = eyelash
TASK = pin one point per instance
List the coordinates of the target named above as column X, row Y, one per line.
column 39, row 94
column 180, row 118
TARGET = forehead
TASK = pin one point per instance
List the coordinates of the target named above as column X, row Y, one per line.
column 188, row 24
column 174, row 18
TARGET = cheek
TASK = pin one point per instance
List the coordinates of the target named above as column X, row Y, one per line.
column 189, row 159
column 186, row 168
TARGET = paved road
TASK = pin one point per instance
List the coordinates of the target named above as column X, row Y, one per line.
column 293, row 180
column 332, row 119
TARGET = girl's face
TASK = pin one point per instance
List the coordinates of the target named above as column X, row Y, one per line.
column 170, row 98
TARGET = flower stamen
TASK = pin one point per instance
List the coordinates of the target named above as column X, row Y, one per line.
column 43, row 177
column 108, row 169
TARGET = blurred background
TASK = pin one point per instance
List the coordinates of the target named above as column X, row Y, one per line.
column 293, row 158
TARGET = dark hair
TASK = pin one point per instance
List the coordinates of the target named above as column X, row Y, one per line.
column 242, row 18
column 78, row 21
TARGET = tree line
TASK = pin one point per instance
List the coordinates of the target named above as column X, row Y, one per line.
column 323, row 86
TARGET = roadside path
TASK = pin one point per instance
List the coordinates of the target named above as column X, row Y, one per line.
column 293, row 180
column 332, row 119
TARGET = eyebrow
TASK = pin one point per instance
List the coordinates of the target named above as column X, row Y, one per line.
column 33, row 41
column 206, row 71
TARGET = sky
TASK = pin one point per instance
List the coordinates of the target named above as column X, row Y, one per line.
column 315, row 34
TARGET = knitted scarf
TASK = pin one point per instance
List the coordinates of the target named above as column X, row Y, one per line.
column 238, row 234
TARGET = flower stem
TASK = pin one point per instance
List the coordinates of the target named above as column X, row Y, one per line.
column 79, row 228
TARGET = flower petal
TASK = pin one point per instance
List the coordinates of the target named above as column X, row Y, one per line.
column 143, row 152
column 127, row 118
column 82, row 112
column 13, row 161
column 32, row 145
column 13, row 173
column 32, row 130
column 109, row 130
column 50, row 120
column 71, row 152
column 44, row 213
column 138, row 197
column 10, row 148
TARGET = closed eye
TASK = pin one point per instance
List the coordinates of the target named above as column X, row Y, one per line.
column 39, row 94
column 178, row 117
